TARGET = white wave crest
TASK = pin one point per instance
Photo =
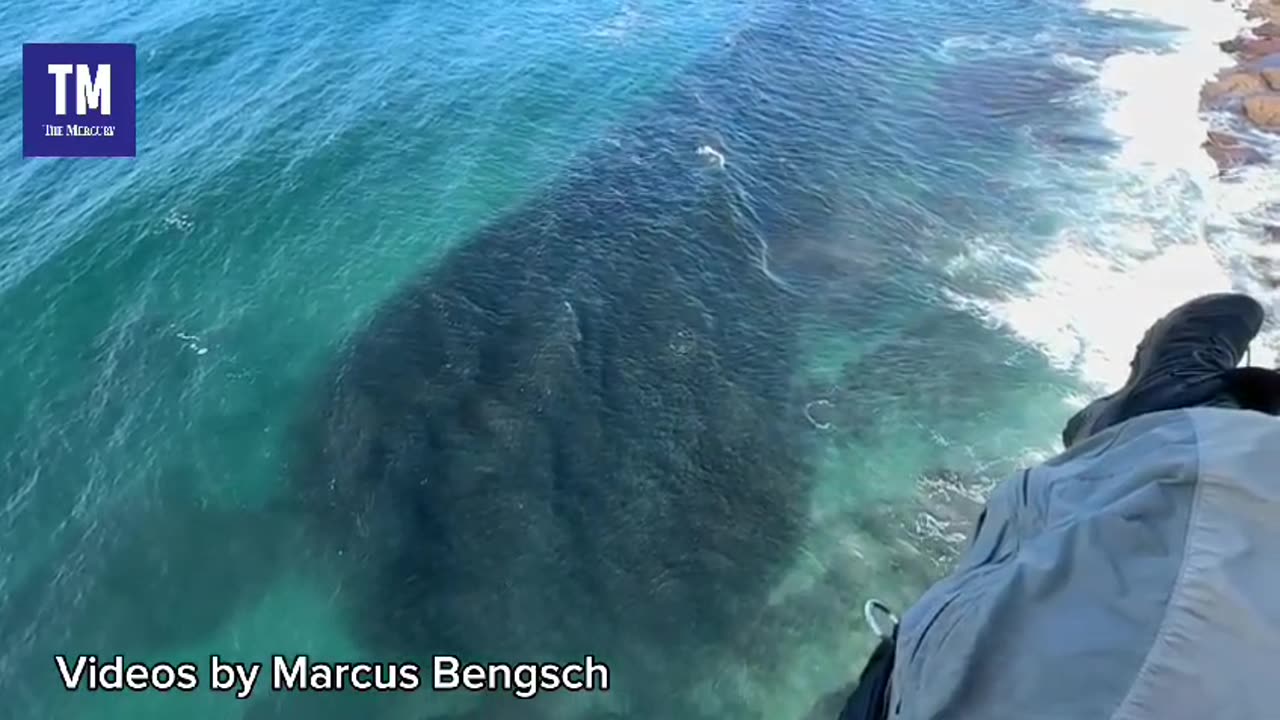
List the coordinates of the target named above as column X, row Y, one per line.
column 1165, row 228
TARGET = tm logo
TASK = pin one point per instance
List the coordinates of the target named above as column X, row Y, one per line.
column 79, row 100
column 90, row 92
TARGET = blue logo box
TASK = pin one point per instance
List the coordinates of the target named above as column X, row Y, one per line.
column 79, row 100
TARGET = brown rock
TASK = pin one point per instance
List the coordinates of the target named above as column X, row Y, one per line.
column 1272, row 78
column 1263, row 10
column 1269, row 29
column 1221, row 139
column 1234, row 45
column 1235, row 83
column 1229, row 151
column 1260, row 48
column 1263, row 110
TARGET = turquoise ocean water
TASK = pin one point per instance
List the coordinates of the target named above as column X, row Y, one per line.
column 665, row 331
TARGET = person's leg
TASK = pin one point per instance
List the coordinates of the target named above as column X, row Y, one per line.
column 1187, row 359
column 870, row 697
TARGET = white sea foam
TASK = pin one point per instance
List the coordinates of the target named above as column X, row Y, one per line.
column 1165, row 228
column 714, row 156
column 1075, row 63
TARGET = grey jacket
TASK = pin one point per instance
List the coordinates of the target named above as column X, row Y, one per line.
column 1134, row 577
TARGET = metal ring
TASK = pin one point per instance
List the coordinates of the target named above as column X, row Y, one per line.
column 869, row 613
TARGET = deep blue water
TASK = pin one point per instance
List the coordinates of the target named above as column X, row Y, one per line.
column 420, row 328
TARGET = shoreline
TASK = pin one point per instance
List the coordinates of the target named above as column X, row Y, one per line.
column 1242, row 102
column 1247, row 94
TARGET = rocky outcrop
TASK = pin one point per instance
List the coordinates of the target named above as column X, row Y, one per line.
column 1246, row 99
column 1234, row 83
column 1256, row 48
column 1229, row 151
column 1263, row 110
column 1233, row 45
column 1250, row 91
column 1264, row 10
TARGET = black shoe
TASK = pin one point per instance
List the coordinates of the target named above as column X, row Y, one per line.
column 1187, row 359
